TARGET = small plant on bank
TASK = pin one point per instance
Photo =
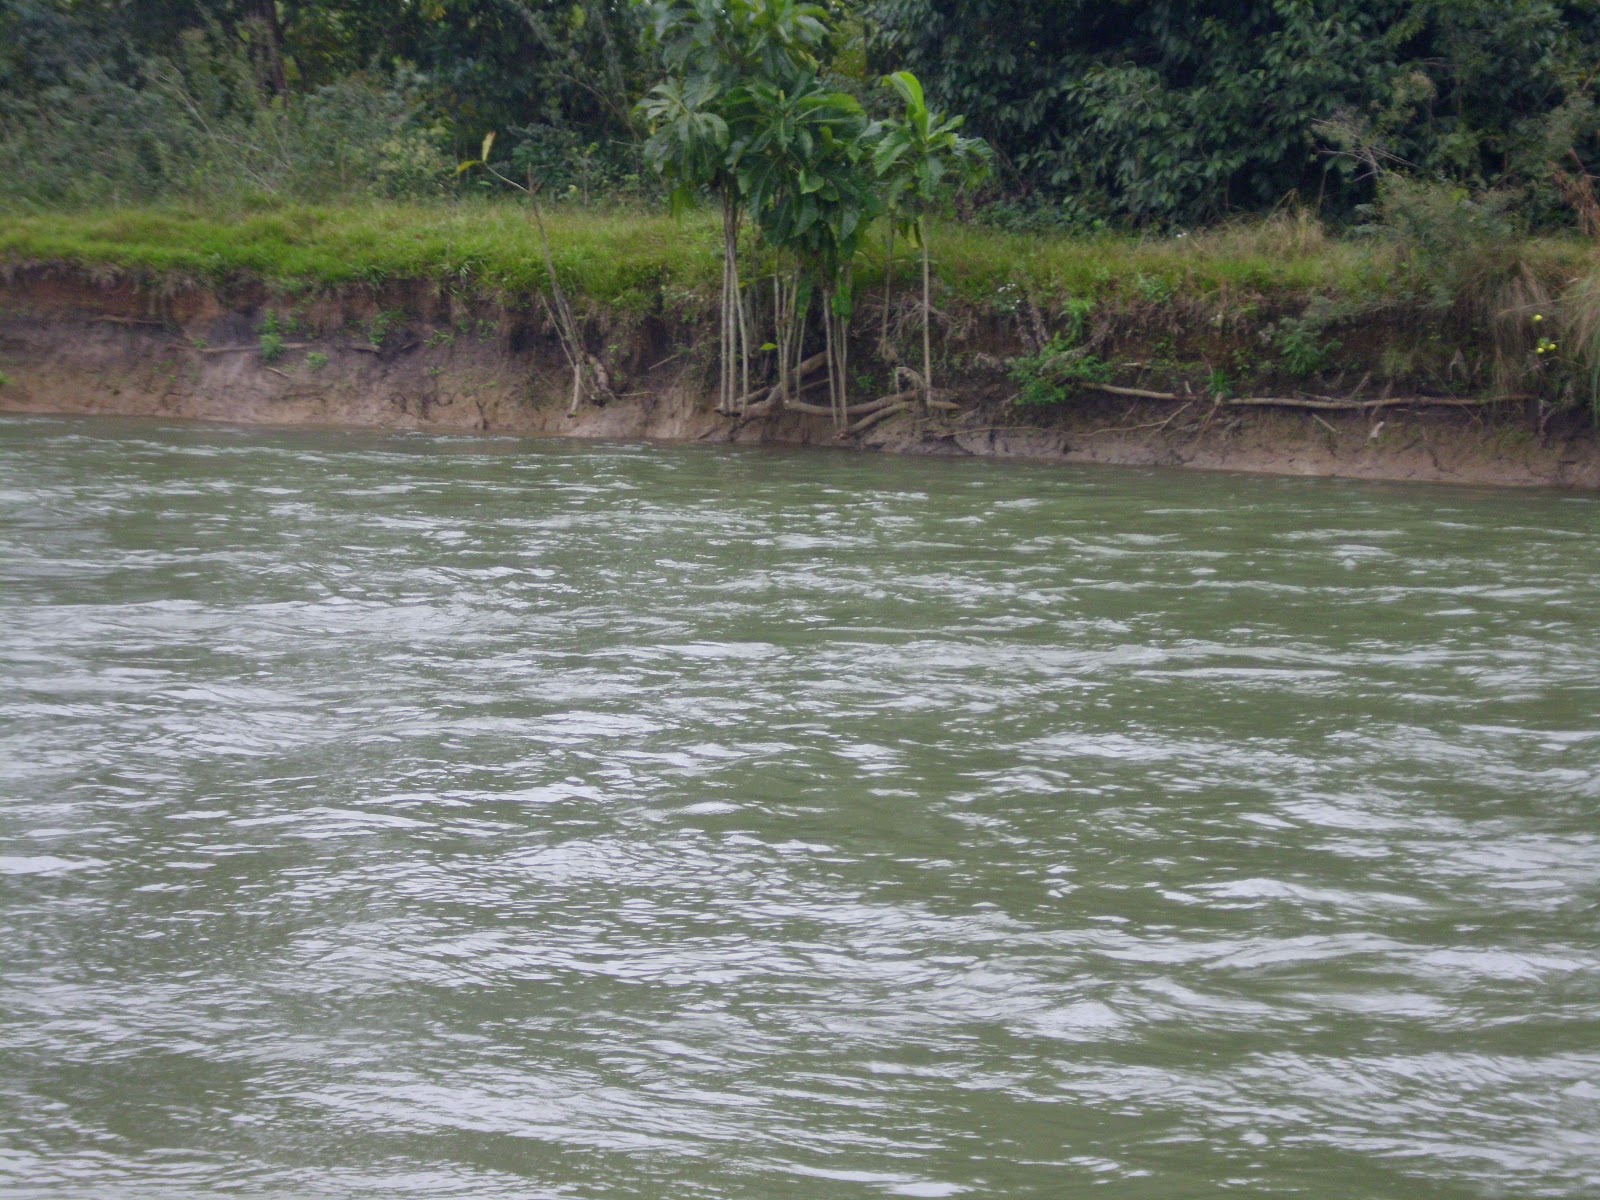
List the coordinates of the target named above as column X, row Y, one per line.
column 1302, row 347
column 316, row 360
column 1056, row 373
column 271, row 339
column 382, row 325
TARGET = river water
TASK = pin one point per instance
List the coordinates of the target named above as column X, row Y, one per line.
column 398, row 816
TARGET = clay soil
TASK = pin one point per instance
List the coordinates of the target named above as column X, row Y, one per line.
column 69, row 345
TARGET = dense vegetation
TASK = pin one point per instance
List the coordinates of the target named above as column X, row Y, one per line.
column 1135, row 112
column 1413, row 165
column 1182, row 110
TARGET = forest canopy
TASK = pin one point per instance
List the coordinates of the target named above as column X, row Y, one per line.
column 1126, row 113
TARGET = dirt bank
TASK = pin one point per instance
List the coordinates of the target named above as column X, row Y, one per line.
column 409, row 358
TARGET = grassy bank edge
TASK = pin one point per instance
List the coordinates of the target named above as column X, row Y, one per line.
column 1268, row 304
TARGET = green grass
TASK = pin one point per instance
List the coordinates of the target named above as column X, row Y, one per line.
column 632, row 262
column 617, row 260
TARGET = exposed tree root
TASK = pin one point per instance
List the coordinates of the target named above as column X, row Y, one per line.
column 873, row 418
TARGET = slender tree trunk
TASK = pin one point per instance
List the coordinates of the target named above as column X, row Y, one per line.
column 782, row 327
column 828, row 345
column 730, row 297
column 744, row 341
column 842, row 340
column 888, row 288
column 927, row 310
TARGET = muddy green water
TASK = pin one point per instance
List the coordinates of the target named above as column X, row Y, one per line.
column 418, row 817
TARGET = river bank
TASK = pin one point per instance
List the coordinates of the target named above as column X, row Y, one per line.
column 1276, row 352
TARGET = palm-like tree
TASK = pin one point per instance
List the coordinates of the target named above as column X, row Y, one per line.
column 915, row 159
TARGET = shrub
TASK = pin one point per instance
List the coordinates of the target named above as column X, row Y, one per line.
column 1056, row 373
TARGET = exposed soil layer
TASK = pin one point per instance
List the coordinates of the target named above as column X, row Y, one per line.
column 410, row 360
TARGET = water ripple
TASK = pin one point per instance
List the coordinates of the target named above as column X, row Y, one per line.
column 472, row 817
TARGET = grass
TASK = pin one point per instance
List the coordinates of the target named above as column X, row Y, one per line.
column 616, row 260
column 630, row 260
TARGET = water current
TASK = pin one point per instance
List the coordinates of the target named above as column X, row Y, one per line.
column 400, row 816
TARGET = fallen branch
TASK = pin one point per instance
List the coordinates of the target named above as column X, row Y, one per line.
column 108, row 320
column 1321, row 403
column 1326, row 404
column 240, row 349
column 1137, row 393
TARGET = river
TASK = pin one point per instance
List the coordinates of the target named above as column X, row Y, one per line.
column 404, row 816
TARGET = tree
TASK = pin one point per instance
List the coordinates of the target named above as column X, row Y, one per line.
column 1176, row 111
column 914, row 158
column 802, row 171
column 714, row 52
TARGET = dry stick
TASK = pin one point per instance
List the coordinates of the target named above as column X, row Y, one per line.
column 1139, row 393
column 566, row 326
column 566, row 351
column 1149, row 425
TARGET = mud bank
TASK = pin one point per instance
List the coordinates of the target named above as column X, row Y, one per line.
column 409, row 358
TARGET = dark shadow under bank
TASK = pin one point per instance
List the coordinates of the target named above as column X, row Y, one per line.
column 70, row 344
